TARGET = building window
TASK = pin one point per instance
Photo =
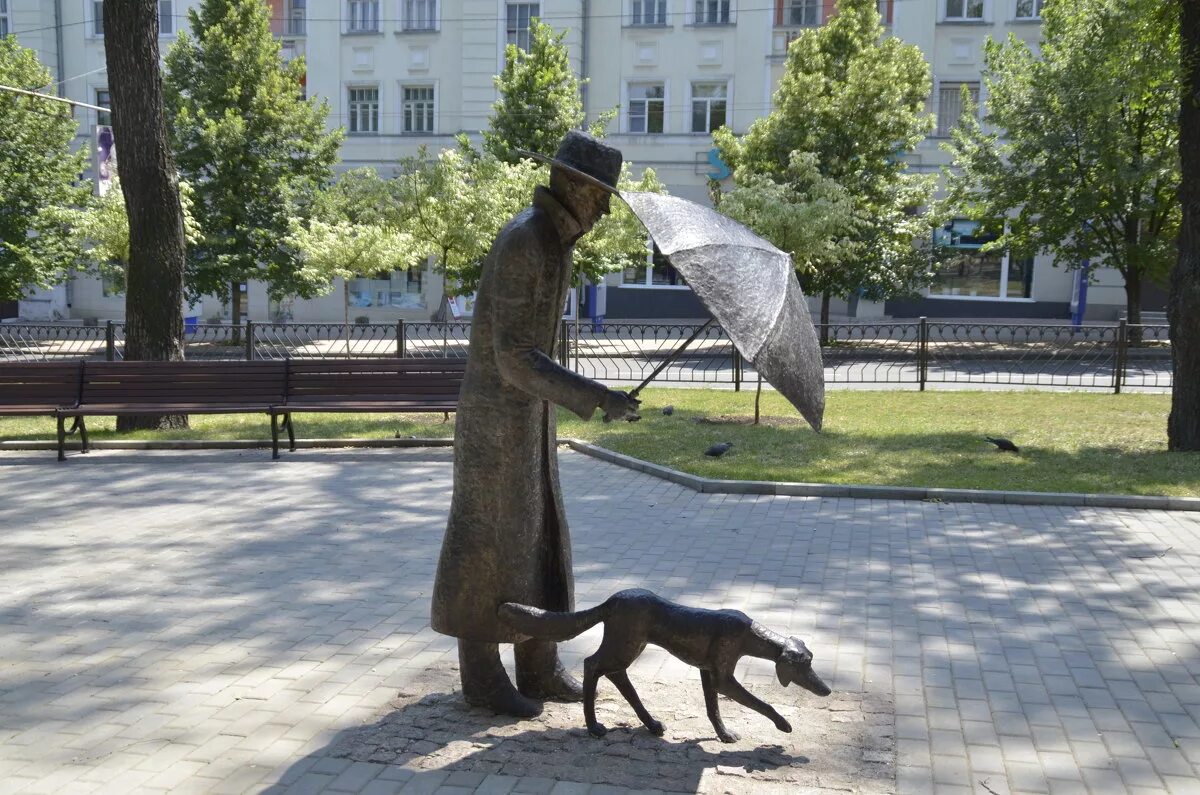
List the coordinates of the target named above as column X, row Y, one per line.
column 103, row 100
column 112, row 281
column 656, row 271
column 950, row 106
column 647, row 107
column 519, row 17
column 1029, row 9
column 712, row 12
column 964, row 9
column 420, row 15
column 886, row 8
column 649, row 12
column 296, row 23
column 364, row 110
column 362, row 16
column 398, row 289
column 804, row 13
column 418, row 109
column 708, row 106
column 964, row 272
column 166, row 17
column 4, row 24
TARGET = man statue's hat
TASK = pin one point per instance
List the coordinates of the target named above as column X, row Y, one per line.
column 585, row 157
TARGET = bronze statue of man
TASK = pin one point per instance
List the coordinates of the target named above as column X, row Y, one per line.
column 507, row 537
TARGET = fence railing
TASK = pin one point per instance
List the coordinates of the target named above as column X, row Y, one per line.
column 911, row 353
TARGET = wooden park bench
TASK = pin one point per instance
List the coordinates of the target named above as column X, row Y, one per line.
column 353, row 386
column 115, row 389
column 41, row 389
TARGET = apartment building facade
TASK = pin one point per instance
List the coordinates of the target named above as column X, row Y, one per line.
column 402, row 74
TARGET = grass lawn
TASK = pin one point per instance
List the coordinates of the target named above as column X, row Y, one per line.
column 1076, row 442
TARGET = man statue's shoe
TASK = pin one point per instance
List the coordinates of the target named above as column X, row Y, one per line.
column 503, row 699
column 559, row 686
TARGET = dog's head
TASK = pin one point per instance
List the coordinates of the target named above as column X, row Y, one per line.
column 795, row 665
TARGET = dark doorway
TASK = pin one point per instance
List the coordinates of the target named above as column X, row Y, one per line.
column 8, row 309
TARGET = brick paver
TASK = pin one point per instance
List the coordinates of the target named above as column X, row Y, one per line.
column 209, row 622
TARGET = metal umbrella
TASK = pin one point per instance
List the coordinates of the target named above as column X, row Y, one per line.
column 750, row 288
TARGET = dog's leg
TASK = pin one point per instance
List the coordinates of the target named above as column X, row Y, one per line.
column 714, row 708
column 590, row 675
column 728, row 686
column 621, row 680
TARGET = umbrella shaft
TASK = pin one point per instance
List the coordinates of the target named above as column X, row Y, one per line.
column 671, row 358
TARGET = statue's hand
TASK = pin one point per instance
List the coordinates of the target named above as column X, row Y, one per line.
column 619, row 405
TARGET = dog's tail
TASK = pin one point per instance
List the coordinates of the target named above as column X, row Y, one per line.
column 547, row 624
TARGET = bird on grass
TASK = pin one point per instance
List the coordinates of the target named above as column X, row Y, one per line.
column 668, row 410
column 1003, row 444
column 719, row 449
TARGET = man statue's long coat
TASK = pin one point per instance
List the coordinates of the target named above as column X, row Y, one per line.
column 507, row 538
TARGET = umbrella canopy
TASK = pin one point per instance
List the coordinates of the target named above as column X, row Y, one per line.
column 749, row 286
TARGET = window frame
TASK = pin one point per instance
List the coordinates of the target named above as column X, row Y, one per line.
column 647, row 282
column 693, row 99
column 942, row 87
column 512, row 35
column 407, row 16
column 658, row 11
column 724, row 12
column 103, row 103
column 5, row 19
column 645, row 115
column 352, row 25
column 1037, row 5
column 964, row 17
column 353, row 114
column 432, row 116
column 791, row 6
column 94, row 23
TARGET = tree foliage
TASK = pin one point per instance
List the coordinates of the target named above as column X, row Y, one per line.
column 38, row 177
column 102, row 228
column 256, row 153
column 1078, row 147
column 540, row 99
column 850, row 104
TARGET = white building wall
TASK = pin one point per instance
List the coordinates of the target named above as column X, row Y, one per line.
column 465, row 50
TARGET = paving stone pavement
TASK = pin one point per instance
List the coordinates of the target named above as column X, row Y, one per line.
column 216, row 622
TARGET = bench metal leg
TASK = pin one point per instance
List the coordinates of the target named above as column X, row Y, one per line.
column 291, row 431
column 62, row 438
column 274, row 436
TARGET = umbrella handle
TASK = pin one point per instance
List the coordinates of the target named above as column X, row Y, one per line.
column 675, row 355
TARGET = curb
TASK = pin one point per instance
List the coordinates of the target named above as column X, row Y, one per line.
column 693, row 482
column 710, row 486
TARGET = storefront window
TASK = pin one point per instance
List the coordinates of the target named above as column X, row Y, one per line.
column 965, row 271
column 389, row 289
column 658, row 272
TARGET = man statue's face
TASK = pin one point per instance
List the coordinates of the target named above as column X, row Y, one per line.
column 588, row 203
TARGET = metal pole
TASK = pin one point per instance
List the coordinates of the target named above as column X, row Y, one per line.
column 923, row 352
column 249, row 340
column 563, row 343
column 674, row 355
column 445, row 339
column 400, row 339
column 110, row 342
column 1122, row 345
column 737, row 368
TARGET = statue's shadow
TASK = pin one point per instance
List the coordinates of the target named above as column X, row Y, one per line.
column 440, row 732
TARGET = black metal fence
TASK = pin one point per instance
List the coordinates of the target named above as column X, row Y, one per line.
column 917, row 353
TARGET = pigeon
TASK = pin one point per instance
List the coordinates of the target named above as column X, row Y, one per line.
column 719, row 449
column 1003, row 444
column 668, row 410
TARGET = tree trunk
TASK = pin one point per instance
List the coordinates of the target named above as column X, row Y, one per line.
column 235, row 312
column 757, row 398
column 825, row 317
column 346, row 312
column 1183, row 303
column 154, row 292
column 1133, row 306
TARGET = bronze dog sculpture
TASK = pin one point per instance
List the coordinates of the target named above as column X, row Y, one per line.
column 711, row 640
